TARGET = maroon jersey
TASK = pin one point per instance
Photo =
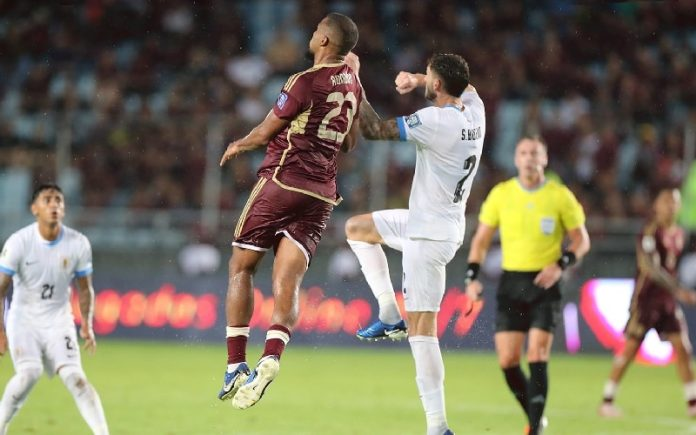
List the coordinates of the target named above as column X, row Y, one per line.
column 662, row 246
column 320, row 104
column 654, row 306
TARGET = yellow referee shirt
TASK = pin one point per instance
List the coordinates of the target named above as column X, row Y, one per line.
column 532, row 222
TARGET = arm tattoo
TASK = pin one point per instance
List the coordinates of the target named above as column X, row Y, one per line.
column 373, row 127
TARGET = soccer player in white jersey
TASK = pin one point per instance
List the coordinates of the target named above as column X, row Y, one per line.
column 449, row 138
column 41, row 260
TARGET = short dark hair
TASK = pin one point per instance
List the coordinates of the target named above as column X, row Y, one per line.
column 43, row 187
column 453, row 70
column 665, row 187
column 346, row 29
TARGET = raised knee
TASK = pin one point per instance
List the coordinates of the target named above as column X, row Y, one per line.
column 352, row 228
column 361, row 228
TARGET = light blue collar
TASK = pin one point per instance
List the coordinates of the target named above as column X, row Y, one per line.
column 52, row 243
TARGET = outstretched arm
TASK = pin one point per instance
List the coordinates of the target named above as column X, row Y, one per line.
column 86, row 297
column 259, row 136
column 374, row 127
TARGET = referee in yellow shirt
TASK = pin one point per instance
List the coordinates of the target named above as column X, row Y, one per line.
column 533, row 214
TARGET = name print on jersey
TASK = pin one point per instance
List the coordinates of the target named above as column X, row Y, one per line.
column 341, row 79
column 471, row 133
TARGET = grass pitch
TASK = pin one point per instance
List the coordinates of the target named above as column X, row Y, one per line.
column 171, row 388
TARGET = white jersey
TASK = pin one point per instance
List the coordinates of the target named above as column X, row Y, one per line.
column 42, row 270
column 449, row 142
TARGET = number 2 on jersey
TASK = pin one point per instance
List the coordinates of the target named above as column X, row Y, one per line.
column 328, row 133
column 469, row 165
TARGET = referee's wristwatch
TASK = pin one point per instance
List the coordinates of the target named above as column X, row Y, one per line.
column 567, row 259
column 472, row 271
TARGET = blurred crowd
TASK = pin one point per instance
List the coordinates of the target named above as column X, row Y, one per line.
column 141, row 91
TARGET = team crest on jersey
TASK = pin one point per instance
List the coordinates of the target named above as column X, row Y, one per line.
column 413, row 120
column 548, row 224
column 282, row 99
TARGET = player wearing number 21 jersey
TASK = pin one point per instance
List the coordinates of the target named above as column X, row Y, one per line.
column 312, row 120
column 42, row 271
column 42, row 259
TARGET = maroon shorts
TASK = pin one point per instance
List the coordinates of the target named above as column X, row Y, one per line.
column 665, row 316
column 272, row 212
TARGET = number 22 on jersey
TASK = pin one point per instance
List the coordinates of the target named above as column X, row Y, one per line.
column 469, row 165
column 327, row 130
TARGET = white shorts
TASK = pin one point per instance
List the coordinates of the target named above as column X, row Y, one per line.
column 423, row 262
column 46, row 347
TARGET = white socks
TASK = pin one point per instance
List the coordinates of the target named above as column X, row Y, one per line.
column 16, row 393
column 610, row 389
column 430, row 378
column 690, row 391
column 374, row 266
column 86, row 398
column 388, row 309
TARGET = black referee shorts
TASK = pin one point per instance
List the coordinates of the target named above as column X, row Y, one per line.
column 523, row 305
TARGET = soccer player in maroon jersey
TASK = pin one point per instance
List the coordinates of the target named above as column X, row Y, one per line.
column 314, row 117
column 654, row 302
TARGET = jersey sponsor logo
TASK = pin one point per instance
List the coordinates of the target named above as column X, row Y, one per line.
column 413, row 120
column 548, row 224
column 282, row 99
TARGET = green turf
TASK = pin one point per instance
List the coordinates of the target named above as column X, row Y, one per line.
column 169, row 388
